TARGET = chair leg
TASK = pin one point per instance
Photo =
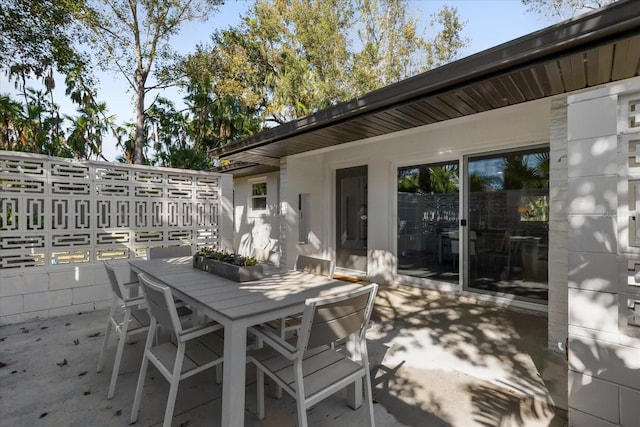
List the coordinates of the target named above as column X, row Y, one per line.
column 107, row 332
column 301, row 403
column 143, row 374
column 219, row 373
column 283, row 335
column 260, row 393
column 121, row 342
column 368, row 393
column 173, row 388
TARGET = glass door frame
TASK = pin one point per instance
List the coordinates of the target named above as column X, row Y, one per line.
column 465, row 273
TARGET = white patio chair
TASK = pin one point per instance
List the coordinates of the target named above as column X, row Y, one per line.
column 313, row 369
column 172, row 252
column 169, row 252
column 196, row 349
column 128, row 316
column 307, row 264
column 317, row 266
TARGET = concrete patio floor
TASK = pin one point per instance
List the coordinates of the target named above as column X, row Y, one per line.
column 436, row 359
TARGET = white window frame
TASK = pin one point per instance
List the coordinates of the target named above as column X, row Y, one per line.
column 252, row 197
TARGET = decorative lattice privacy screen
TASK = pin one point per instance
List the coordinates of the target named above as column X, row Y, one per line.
column 56, row 211
column 629, row 212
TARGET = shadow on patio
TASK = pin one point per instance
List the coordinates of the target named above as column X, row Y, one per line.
column 444, row 359
column 436, row 359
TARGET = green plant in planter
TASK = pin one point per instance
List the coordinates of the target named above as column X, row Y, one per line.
column 228, row 257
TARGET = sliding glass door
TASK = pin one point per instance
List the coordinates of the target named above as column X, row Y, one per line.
column 428, row 210
column 508, row 218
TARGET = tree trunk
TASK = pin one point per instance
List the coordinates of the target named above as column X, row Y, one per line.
column 138, row 156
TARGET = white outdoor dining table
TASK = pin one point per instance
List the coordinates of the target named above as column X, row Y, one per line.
column 237, row 306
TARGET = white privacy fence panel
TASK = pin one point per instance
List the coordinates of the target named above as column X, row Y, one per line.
column 57, row 212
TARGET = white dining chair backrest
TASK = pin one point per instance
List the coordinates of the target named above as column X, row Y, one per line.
column 329, row 320
column 313, row 265
column 161, row 305
column 116, row 286
column 169, row 252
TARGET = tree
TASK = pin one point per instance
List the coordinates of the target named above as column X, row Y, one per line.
column 286, row 58
column 290, row 58
column 131, row 37
column 10, row 123
column 564, row 9
column 38, row 40
column 87, row 131
column 38, row 37
column 393, row 48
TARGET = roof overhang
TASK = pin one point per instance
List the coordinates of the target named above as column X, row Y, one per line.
column 590, row 50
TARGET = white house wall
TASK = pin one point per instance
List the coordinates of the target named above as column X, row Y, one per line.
column 520, row 126
column 306, row 176
column 257, row 230
column 594, row 259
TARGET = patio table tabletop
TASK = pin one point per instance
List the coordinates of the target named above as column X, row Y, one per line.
column 238, row 306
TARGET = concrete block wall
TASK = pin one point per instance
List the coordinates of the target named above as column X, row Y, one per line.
column 604, row 349
column 60, row 218
column 47, row 294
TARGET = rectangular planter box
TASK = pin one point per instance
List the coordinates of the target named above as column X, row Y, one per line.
column 237, row 273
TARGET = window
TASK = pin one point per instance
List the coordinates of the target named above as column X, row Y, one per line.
column 259, row 196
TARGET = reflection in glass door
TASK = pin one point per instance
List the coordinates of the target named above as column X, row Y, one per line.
column 508, row 224
column 351, row 218
column 428, row 210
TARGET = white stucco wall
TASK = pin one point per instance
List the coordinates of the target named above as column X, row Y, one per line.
column 313, row 174
column 604, row 255
column 256, row 229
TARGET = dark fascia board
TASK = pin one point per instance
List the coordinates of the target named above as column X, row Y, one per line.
column 616, row 21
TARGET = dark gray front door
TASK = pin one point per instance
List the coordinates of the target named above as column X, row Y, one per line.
column 351, row 218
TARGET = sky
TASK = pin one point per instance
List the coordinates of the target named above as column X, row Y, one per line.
column 488, row 24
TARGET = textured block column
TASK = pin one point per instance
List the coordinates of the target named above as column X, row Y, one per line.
column 558, row 224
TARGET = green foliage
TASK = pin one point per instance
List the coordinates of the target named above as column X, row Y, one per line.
column 519, row 172
column 88, row 130
column 290, row 58
column 564, row 9
column 38, row 127
column 228, row 257
column 442, row 179
column 38, row 37
column 131, row 36
column 287, row 59
column 393, row 47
